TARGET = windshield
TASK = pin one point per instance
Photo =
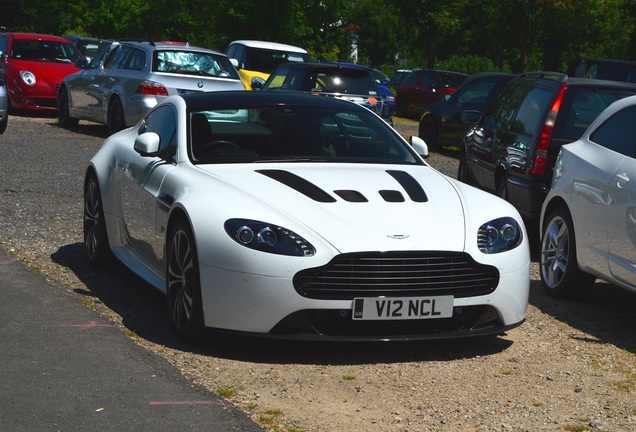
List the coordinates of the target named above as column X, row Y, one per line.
column 294, row 134
column 43, row 50
column 193, row 63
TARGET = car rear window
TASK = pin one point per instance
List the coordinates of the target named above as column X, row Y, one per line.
column 452, row 80
column 193, row 63
column 580, row 107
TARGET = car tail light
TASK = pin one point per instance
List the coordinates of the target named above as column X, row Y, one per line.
column 151, row 88
column 545, row 136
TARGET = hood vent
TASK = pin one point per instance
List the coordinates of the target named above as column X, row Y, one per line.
column 392, row 196
column 299, row 184
column 351, row 196
column 410, row 185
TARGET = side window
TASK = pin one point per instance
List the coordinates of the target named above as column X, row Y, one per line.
column 135, row 60
column 98, row 61
column 477, row 91
column 428, row 80
column 531, row 111
column 282, row 79
column 4, row 45
column 240, row 56
column 618, row 132
column 163, row 121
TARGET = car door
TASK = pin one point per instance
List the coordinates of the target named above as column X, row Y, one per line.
column 618, row 137
column 101, row 86
column 144, row 209
column 479, row 143
column 80, row 85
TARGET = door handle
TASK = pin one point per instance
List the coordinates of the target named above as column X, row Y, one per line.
column 621, row 179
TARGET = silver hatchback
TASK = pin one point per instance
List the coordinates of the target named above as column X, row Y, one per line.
column 125, row 80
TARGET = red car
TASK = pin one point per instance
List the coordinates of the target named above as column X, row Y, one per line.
column 34, row 66
column 422, row 87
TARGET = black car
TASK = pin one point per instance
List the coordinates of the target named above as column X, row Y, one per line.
column 441, row 125
column 353, row 83
column 512, row 149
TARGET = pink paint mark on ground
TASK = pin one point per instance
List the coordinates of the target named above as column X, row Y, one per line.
column 90, row 324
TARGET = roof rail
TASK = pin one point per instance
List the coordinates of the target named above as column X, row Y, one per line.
column 556, row 76
column 141, row 40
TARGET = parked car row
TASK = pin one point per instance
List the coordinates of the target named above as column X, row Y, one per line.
column 127, row 78
column 562, row 151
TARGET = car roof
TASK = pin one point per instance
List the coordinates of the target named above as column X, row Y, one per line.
column 560, row 79
column 227, row 99
column 269, row 45
column 439, row 70
column 165, row 46
column 324, row 66
column 37, row 36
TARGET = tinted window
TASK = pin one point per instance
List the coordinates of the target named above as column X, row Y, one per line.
column 135, row 60
column 4, row 44
column 163, row 121
column 618, row 133
column 532, row 111
column 43, row 50
column 580, row 107
column 476, row 91
column 451, row 80
column 286, row 79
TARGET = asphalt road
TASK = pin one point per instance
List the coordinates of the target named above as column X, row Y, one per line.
column 63, row 366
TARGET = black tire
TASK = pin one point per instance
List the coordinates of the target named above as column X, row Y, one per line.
column 115, row 116
column 95, row 235
column 63, row 114
column 560, row 272
column 183, row 284
column 428, row 132
column 463, row 174
column 4, row 122
column 502, row 188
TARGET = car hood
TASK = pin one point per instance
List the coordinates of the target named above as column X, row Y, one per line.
column 353, row 207
column 46, row 69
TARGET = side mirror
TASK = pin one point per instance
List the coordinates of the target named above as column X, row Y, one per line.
column 147, row 144
column 81, row 63
column 470, row 116
column 419, row 146
column 234, row 62
column 257, row 85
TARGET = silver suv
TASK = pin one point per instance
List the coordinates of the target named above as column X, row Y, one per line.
column 126, row 79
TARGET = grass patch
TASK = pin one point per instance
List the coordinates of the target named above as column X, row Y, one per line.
column 226, row 392
column 88, row 302
column 348, row 377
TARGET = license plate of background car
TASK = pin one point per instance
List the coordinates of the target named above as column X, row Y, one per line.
column 397, row 308
column 183, row 91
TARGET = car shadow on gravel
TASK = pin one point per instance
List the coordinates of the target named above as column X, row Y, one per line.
column 604, row 316
column 83, row 128
column 144, row 312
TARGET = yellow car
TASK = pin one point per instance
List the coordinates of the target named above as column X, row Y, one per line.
column 255, row 60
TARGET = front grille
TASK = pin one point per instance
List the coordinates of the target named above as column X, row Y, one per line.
column 397, row 274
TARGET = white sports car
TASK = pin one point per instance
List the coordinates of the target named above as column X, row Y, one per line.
column 298, row 216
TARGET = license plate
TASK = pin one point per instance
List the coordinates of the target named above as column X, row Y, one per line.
column 400, row 308
column 184, row 92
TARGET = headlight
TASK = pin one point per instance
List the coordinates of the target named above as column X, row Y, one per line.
column 269, row 238
column 28, row 77
column 499, row 235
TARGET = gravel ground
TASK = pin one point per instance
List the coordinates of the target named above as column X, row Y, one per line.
column 569, row 367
